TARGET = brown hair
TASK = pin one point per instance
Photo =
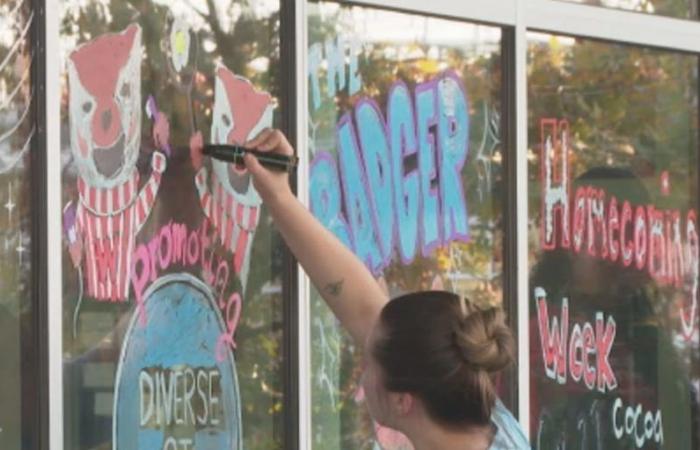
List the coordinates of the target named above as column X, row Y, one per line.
column 427, row 346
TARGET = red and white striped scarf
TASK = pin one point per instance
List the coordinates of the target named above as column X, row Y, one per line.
column 107, row 221
column 109, row 201
column 234, row 222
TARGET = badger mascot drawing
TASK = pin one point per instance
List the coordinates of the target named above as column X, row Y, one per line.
column 105, row 137
column 228, row 197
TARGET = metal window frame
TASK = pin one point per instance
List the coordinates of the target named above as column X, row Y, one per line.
column 290, row 278
column 54, row 276
column 33, row 326
column 519, row 16
column 304, row 434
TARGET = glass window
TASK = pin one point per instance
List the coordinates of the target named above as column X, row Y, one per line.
column 17, row 316
column 406, row 169
column 172, row 273
column 682, row 9
column 613, row 245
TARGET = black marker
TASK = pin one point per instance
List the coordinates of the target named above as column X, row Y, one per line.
column 234, row 154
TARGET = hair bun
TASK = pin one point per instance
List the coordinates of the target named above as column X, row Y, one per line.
column 484, row 340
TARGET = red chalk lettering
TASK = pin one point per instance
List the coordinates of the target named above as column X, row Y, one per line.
column 657, row 245
column 586, row 352
column 627, row 246
column 597, row 233
column 577, row 354
column 674, row 248
column 580, row 204
column 604, row 338
column 640, row 237
column 613, row 226
column 555, row 180
column 689, row 311
column 552, row 339
column 106, row 259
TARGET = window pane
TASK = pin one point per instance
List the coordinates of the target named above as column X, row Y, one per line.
column 17, row 129
column 172, row 273
column 613, row 158
column 682, row 9
column 445, row 231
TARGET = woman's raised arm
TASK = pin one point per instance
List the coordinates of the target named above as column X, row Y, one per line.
column 342, row 279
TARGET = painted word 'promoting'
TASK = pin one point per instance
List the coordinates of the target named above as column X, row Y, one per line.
column 571, row 352
column 629, row 421
column 397, row 185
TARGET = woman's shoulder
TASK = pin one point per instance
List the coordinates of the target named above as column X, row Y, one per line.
column 509, row 434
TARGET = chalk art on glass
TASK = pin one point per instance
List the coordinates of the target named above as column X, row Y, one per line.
column 576, row 350
column 13, row 109
column 228, row 197
column 181, row 47
column 10, row 159
column 179, row 44
column 327, row 372
column 396, row 188
column 490, row 140
column 313, row 131
column 171, row 391
column 660, row 241
column 105, row 134
column 20, row 249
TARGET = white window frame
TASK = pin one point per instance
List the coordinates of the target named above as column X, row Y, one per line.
column 542, row 15
column 54, row 211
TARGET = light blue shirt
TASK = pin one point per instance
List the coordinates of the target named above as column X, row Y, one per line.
column 509, row 435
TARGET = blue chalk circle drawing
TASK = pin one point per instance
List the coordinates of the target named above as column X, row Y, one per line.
column 171, row 393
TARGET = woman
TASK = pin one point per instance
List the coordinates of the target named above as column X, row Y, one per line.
column 428, row 359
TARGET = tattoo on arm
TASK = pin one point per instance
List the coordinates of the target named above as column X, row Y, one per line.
column 334, row 289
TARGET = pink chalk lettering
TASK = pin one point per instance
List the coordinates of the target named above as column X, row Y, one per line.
column 232, row 315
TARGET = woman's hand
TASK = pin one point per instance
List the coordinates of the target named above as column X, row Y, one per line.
column 196, row 150
column 270, row 185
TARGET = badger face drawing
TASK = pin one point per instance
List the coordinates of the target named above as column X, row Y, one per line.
column 105, row 127
column 105, row 107
column 240, row 113
column 229, row 198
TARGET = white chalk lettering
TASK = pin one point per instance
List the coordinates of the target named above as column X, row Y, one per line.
column 629, row 421
column 167, row 397
column 178, row 444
